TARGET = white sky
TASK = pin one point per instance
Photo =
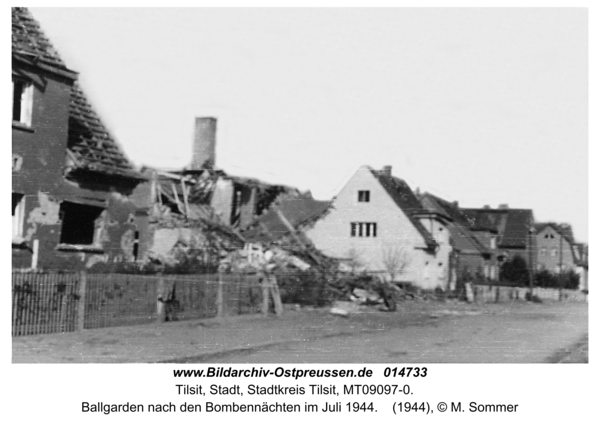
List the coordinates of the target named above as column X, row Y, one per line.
column 483, row 106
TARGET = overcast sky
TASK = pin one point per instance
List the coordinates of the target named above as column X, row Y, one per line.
column 482, row 106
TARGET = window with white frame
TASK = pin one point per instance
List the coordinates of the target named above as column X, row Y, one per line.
column 554, row 252
column 22, row 104
column 81, row 224
column 363, row 229
column 364, row 196
column 543, row 251
column 18, row 214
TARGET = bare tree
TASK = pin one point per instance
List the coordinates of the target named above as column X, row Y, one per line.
column 354, row 260
column 395, row 260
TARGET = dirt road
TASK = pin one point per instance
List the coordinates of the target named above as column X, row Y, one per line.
column 517, row 333
column 426, row 332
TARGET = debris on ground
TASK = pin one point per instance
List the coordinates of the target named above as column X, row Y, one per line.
column 447, row 312
column 345, row 308
column 339, row 312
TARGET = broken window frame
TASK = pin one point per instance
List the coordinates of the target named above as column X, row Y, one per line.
column 18, row 217
column 22, row 101
column 90, row 240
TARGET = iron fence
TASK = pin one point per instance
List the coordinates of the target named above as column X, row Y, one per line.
column 65, row 302
column 44, row 302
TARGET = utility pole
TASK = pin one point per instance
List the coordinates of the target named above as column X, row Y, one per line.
column 560, row 266
column 531, row 266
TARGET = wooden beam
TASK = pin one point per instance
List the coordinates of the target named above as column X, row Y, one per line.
column 184, row 188
column 296, row 237
column 177, row 198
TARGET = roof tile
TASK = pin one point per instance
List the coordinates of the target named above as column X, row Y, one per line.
column 89, row 141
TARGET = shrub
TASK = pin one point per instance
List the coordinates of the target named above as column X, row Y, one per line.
column 571, row 280
column 307, row 288
column 515, row 271
column 546, row 279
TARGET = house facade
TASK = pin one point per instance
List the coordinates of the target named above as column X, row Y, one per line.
column 556, row 247
column 73, row 202
column 376, row 223
column 582, row 267
column 508, row 232
column 470, row 257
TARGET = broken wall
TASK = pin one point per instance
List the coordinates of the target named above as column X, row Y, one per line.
column 115, row 237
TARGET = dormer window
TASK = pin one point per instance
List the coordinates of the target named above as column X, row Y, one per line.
column 22, row 102
column 364, row 196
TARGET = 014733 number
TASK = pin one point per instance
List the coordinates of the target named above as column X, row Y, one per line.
column 405, row 372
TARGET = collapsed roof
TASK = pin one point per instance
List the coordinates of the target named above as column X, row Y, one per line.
column 289, row 214
column 90, row 146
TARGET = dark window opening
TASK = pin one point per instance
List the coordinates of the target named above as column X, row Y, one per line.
column 136, row 245
column 364, row 196
column 173, row 207
column 16, row 200
column 365, row 229
column 18, row 90
column 80, row 224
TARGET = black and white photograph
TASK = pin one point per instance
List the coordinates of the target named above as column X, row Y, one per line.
column 300, row 185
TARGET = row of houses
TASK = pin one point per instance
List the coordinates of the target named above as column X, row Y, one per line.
column 377, row 223
column 78, row 202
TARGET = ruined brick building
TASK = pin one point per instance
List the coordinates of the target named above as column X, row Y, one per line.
column 76, row 199
column 200, row 209
column 73, row 202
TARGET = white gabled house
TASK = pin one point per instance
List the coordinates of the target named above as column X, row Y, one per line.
column 377, row 222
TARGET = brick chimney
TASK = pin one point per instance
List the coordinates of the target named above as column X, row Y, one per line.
column 203, row 156
column 386, row 171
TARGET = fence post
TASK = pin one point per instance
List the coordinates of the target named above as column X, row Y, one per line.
column 63, row 310
column 220, row 295
column 81, row 303
column 264, row 282
column 160, row 306
column 276, row 295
